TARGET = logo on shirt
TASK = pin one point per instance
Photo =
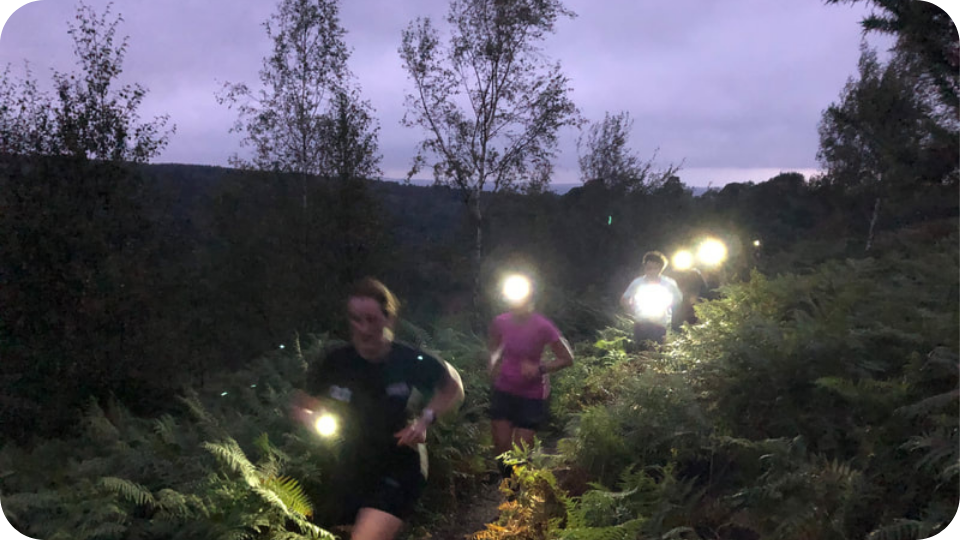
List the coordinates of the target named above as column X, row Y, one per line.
column 341, row 394
column 400, row 389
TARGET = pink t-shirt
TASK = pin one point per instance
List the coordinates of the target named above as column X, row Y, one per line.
column 523, row 341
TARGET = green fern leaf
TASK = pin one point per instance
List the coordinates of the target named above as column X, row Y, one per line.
column 679, row 533
column 626, row 531
column 229, row 453
column 128, row 490
column 901, row 529
column 107, row 530
column 291, row 493
column 237, row 534
column 931, row 404
column 166, row 428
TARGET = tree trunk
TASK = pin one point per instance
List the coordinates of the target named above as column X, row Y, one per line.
column 478, row 259
column 305, row 257
column 873, row 222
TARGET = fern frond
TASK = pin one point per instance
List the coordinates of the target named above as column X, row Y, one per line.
column 263, row 444
column 311, row 530
column 285, row 535
column 931, row 404
column 106, row 530
column 679, row 533
column 166, row 428
column 128, row 490
column 99, row 427
column 941, row 451
column 796, row 525
column 229, row 453
column 272, row 498
column 27, row 501
column 625, row 531
column 842, row 474
column 297, row 349
column 174, row 503
column 901, row 529
column 204, row 419
column 237, row 534
column 944, row 359
column 291, row 493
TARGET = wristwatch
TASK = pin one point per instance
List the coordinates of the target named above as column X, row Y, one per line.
column 429, row 416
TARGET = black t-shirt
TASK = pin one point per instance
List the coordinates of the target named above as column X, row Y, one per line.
column 371, row 400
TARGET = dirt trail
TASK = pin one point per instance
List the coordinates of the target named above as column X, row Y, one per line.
column 483, row 507
column 473, row 515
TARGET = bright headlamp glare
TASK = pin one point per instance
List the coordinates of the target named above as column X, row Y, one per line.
column 712, row 252
column 683, row 260
column 516, row 289
column 326, row 425
column 652, row 301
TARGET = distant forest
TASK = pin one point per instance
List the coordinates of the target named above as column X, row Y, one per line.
column 214, row 270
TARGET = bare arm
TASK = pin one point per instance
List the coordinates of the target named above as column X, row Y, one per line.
column 450, row 394
column 494, row 350
column 445, row 399
column 626, row 299
column 564, row 356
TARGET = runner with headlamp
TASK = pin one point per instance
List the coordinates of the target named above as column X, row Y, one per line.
column 360, row 393
column 521, row 382
column 650, row 298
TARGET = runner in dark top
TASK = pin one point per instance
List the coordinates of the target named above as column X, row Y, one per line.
column 366, row 387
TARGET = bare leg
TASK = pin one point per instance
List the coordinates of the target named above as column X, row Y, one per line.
column 502, row 431
column 524, row 436
column 375, row 524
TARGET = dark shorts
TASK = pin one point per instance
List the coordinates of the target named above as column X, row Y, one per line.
column 524, row 413
column 394, row 490
column 646, row 331
column 395, row 493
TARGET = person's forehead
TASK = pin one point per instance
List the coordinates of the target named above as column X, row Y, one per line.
column 363, row 304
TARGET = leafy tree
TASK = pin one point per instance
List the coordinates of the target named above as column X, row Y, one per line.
column 926, row 37
column 306, row 124
column 350, row 136
column 605, row 157
column 307, row 118
column 89, row 117
column 490, row 102
column 77, row 259
column 873, row 139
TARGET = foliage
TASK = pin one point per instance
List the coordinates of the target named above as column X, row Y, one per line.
column 314, row 143
column 882, row 127
column 536, row 505
column 802, row 406
column 604, row 157
column 490, row 103
column 925, row 34
column 183, row 476
column 307, row 118
column 817, row 398
column 76, row 268
column 518, row 100
column 460, row 446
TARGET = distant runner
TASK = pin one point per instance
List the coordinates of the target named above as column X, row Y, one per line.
column 521, row 382
column 650, row 299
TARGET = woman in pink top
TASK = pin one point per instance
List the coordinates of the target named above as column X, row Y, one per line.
column 521, row 385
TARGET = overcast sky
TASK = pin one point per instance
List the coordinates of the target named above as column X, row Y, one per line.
column 733, row 89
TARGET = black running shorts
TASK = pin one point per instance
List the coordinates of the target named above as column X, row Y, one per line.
column 524, row 413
